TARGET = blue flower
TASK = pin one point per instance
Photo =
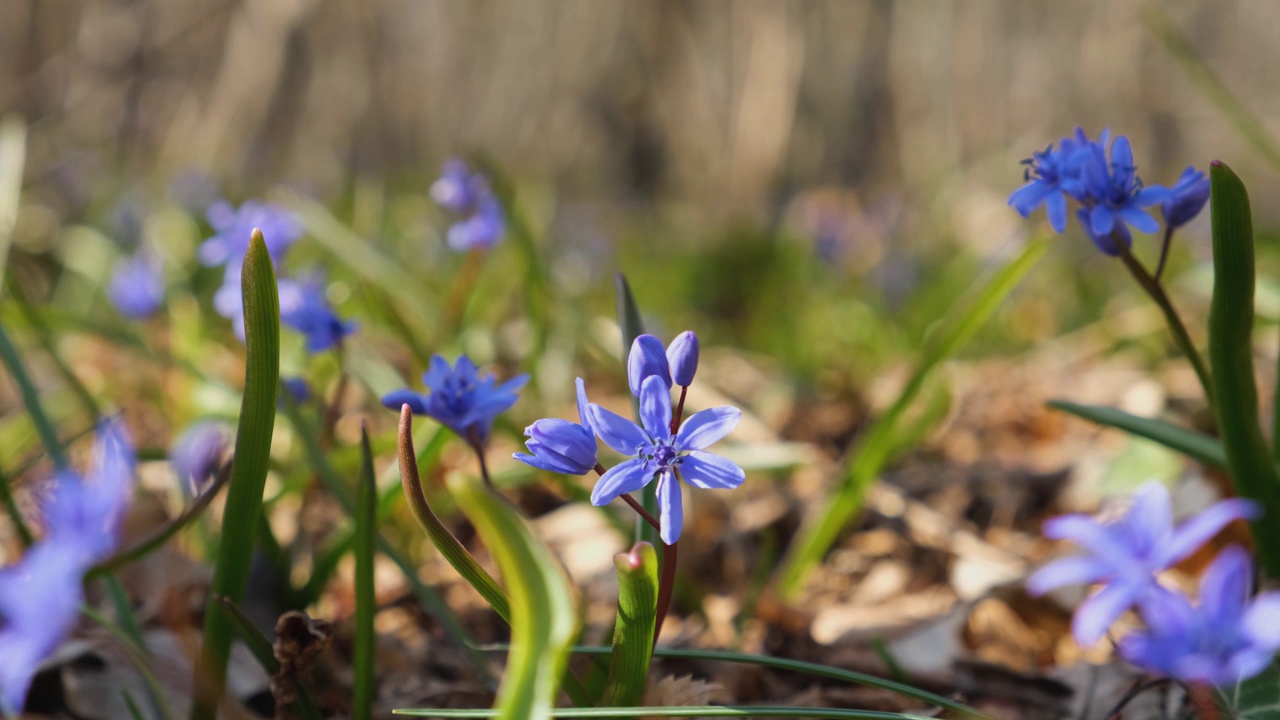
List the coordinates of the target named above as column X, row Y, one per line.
column 40, row 600
column 40, row 596
column 461, row 400
column 466, row 193
column 1127, row 554
column 87, row 512
column 561, row 446
column 1113, row 197
column 137, row 287
column 1186, row 198
column 1224, row 640
column 659, row 455
column 197, row 453
column 304, row 308
column 1051, row 176
column 234, row 226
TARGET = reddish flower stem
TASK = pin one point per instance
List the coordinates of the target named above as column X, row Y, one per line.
column 667, row 581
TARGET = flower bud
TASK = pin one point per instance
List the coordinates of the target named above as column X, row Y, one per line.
column 682, row 356
column 647, row 357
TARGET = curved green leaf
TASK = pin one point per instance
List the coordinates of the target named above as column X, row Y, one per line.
column 543, row 620
column 633, row 630
column 1197, row 446
column 1235, row 390
column 773, row 711
column 448, row 545
column 1257, row 698
column 248, row 472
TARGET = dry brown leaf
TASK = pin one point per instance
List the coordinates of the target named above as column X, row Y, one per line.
column 685, row 690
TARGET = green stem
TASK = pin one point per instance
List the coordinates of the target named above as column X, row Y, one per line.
column 31, row 399
column 1164, row 251
column 15, row 515
column 1180, row 335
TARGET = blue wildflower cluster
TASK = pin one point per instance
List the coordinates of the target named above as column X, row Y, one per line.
column 303, row 305
column 460, row 399
column 1100, row 175
column 1224, row 639
column 660, row 448
column 41, row 595
column 467, row 194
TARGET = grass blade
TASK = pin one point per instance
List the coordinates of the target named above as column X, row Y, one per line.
column 248, row 472
column 31, row 399
column 448, row 545
column 799, row 666
column 879, row 444
column 1235, row 390
column 1197, row 446
column 13, row 154
column 1179, row 46
column 773, row 711
column 365, row 549
column 543, row 620
column 14, row 513
column 633, row 631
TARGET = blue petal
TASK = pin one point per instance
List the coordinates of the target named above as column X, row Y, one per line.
column 1028, row 197
column 1088, row 534
column 547, row 462
column 616, row 431
column 1140, row 221
column 655, row 408
column 670, row 508
column 1075, row 570
column 647, row 357
column 437, row 373
column 1201, row 528
column 1225, row 587
column 1261, row 622
column 1056, row 205
column 627, row 477
column 1103, row 608
column 682, row 357
column 705, row 428
column 417, row 402
column 1102, row 220
column 582, row 403
column 710, row 472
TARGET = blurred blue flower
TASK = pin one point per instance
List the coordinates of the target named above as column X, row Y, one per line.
column 1224, row 640
column 561, row 446
column 87, row 511
column 657, row 454
column 137, row 286
column 1186, row 198
column 460, row 399
column 1127, row 554
column 682, row 356
column 1114, row 196
column 297, row 389
column 40, row 596
column 197, row 453
column 1052, row 176
column 467, row 193
column 40, row 600
column 234, row 226
column 304, row 307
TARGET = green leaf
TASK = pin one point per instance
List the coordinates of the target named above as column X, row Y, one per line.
column 31, row 399
column 773, row 711
column 633, row 630
column 1257, row 698
column 365, row 548
column 1197, row 446
column 1235, row 391
column 543, row 619
column 448, row 545
column 248, row 473
column 881, row 442
column 799, row 666
column 13, row 153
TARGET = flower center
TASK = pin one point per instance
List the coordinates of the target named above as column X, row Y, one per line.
column 664, row 454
